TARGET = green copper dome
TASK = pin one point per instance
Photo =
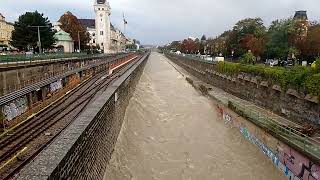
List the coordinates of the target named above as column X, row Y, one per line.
column 62, row 36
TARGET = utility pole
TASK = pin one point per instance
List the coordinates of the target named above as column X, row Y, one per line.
column 39, row 36
column 79, row 41
column 125, row 22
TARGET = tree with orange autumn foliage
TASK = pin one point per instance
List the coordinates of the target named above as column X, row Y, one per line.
column 71, row 25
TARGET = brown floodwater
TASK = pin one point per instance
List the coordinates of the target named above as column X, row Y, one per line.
column 171, row 132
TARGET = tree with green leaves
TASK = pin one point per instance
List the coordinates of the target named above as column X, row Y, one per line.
column 248, row 58
column 25, row 35
column 278, row 45
column 250, row 26
column 249, row 34
column 203, row 38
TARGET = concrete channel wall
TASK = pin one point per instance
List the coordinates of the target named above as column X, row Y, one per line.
column 83, row 150
column 294, row 164
column 301, row 109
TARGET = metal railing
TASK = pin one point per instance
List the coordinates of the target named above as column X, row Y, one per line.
column 308, row 145
column 15, row 59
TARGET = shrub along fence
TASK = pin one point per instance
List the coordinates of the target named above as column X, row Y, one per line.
column 303, row 79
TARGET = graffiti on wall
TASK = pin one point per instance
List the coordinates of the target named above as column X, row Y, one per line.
column 56, row 86
column 15, row 108
column 293, row 164
column 297, row 165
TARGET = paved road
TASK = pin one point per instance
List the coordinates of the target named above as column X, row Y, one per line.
column 171, row 132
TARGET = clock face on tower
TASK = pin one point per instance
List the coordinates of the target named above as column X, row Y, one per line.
column 101, row 1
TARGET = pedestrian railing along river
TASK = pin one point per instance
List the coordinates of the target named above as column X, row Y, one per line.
column 308, row 145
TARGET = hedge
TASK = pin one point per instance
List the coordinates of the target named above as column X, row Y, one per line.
column 313, row 84
column 301, row 78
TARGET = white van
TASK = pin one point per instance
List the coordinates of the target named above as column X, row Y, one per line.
column 219, row 59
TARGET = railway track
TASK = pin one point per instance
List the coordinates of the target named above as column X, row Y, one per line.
column 22, row 144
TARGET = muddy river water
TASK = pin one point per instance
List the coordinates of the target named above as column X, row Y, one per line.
column 171, row 132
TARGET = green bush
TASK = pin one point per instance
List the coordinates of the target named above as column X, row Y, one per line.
column 248, row 58
column 313, row 84
column 317, row 64
column 228, row 68
column 295, row 77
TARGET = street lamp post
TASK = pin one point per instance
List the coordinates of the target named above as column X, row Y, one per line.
column 39, row 36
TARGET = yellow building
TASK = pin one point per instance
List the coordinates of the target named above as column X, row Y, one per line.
column 6, row 29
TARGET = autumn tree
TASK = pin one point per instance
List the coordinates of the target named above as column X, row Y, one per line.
column 71, row 25
column 218, row 45
column 298, row 35
column 250, row 35
column 311, row 46
column 189, row 46
column 25, row 37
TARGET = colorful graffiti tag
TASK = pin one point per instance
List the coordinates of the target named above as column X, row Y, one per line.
column 56, row 86
column 293, row 164
column 15, row 108
column 297, row 165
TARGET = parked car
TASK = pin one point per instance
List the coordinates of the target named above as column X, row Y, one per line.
column 290, row 62
column 274, row 62
column 178, row 52
column 268, row 61
column 208, row 58
column 219, row 59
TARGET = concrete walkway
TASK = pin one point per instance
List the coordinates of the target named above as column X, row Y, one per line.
column 171, row 132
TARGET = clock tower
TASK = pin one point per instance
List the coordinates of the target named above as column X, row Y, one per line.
column 102, row 24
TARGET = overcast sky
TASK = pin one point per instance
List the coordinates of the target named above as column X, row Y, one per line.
column 161, row 21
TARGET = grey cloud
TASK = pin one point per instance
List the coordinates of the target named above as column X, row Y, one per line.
column 158, row 22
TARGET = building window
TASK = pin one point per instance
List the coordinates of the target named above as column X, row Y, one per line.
column 101, row 44
column 94, row 41
column 102, row 8
column 98, row 8
column 101, row 33
column 93, row 34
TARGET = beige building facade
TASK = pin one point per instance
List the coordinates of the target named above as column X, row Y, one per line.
column 102, row 33
column 6, row 29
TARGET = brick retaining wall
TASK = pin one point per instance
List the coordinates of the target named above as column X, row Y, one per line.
column 85, row 148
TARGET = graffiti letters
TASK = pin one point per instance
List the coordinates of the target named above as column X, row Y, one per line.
column 56, row 86
column 15, row 108
column 293, row 164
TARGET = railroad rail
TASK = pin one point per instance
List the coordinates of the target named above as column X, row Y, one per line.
column 22, row 144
